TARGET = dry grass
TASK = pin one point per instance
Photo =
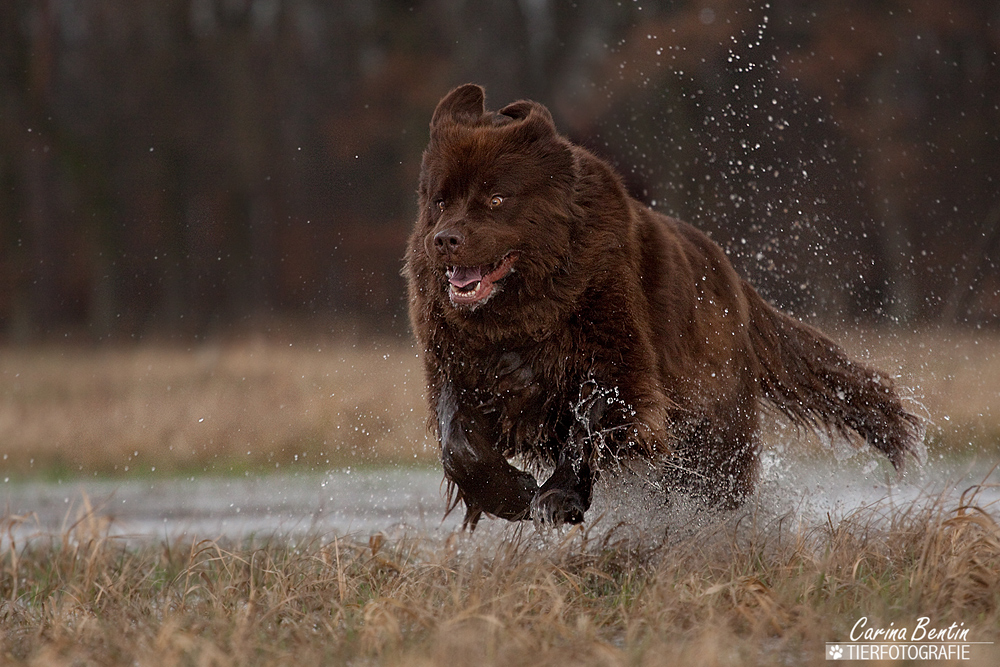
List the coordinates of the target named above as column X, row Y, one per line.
column 257, row 404
column 764, row 590
column 220, row 407
column 749, row 592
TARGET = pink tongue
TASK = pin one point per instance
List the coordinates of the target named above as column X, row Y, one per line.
column 464, row 276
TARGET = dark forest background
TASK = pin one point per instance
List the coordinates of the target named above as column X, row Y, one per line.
column 184, row 167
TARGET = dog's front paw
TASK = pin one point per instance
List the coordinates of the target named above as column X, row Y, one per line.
column 554, row 507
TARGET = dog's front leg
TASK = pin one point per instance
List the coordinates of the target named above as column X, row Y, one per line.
column 485, row 480
column 565, row 496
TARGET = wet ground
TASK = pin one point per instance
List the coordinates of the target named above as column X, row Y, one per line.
column 358, row 502
column 397, row 500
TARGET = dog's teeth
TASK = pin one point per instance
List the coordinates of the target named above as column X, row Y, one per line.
column 467, row 289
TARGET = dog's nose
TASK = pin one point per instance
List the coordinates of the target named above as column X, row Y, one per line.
column 448, row 241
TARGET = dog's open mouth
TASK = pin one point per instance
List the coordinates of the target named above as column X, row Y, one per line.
column 473, row 285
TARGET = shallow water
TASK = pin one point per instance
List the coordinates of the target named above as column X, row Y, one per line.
column 811, row 491
column 357, row 502
column 396, row 500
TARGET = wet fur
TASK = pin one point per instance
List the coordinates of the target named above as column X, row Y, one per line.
column 621, row 333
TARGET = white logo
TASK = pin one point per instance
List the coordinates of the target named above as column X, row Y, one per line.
column 919, row 641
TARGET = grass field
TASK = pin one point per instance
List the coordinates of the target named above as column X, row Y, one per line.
column 742, row 593
column 219, row 407
column 258, row 404
column 757, row 589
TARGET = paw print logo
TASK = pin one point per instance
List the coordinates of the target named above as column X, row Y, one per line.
column 834, row 652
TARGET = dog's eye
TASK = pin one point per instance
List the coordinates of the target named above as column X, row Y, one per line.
column 495, row 201
column 439, row 204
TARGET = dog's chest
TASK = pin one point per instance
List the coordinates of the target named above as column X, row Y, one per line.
column 520, row 394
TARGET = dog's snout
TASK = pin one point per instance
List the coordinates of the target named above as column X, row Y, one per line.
column 448, row 241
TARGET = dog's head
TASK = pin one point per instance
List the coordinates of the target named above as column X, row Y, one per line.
column 496, row 207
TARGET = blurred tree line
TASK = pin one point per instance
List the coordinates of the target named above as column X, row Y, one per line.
column 177, row 167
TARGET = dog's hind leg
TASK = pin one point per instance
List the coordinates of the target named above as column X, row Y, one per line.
column 718, row 456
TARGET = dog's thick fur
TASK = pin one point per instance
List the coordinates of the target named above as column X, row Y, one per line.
column 565, row 324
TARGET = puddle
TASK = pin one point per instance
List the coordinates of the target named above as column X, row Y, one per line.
column 410, row 500
column 340, row 502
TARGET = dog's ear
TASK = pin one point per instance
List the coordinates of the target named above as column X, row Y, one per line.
column 532, row 114
column 464, row 104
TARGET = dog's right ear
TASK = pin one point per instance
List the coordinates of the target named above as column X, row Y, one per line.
column 464, row 104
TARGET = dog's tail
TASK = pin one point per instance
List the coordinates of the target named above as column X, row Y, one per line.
column 811, row 379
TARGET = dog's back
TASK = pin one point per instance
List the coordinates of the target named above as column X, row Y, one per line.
column 723, row 349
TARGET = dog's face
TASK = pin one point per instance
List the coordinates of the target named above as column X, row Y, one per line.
column 496, row 196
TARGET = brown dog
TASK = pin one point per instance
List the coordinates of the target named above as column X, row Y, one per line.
column 567, row 325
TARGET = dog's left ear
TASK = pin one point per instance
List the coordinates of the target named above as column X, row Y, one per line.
column 532, row 114
column 464, row 104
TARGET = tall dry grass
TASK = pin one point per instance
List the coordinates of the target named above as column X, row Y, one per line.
column 219, row 407
column 256, row 404
column 753, row 591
